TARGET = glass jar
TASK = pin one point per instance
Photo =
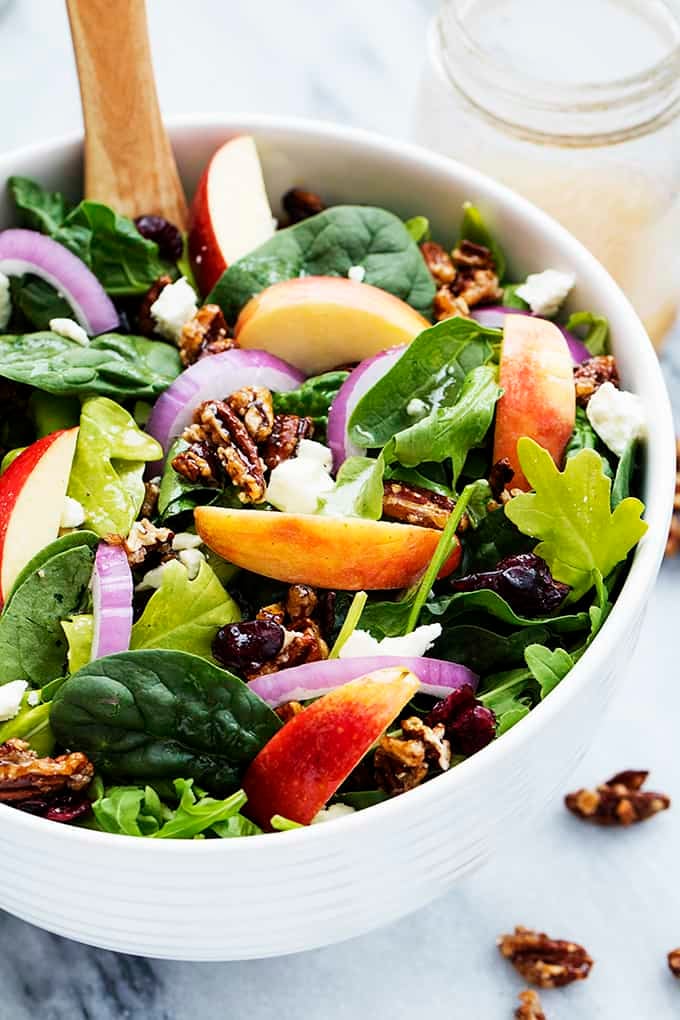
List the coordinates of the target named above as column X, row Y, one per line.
column 575, row 105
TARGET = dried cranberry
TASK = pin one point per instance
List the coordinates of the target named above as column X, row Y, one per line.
column 165, row 234
column 523, row 580
column 469, row 725
column 66, row 808
column 245, row 646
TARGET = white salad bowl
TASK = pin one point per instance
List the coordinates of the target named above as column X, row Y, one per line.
column 275, row 894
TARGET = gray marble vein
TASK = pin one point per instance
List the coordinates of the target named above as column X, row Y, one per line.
column 357, row 61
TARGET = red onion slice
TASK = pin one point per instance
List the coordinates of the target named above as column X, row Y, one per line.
column 360, row 380
column 213, row 378
column 494, row 316
column 27, row 251
column 314, row 679
column 112, row 600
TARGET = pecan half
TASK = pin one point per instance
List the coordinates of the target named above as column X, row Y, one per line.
column 287, row 431
column 674, row 962
column 619, row 801
column 24, row 776
column 300, row 204
column 146, row 543
column 235, row 448
column 253, row 405
column 207, row 333
column 530, row 1007
column 146, row 324
column 301, row 602
column 199, row 461
column 591, row 374
column 546, row 962
column 152, row 489
column 416, row 505
column 673, row 542
column 447, row 304
column 476, row 276
column 402, row 763
column 439, row 262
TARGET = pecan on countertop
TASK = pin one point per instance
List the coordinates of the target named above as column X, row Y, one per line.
column 253, row 405
column 476, row 276
column 146, row 544
column 673, row 543
column 234, row 446
column 542, row 961
column 300, row 204
column 402, row 763
column 206, row 333
column 530, row 1007
column 439, row 262
column 619, row 801
column 146, row 324
column 25, row 776
column 593, row 373
column 287, row 431
column 674, row 962
column 414, row 504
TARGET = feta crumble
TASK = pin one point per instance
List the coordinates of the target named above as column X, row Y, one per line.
column 173, row 308
column 360, row 643
column 416, row 408
column 296, row 485
column 617, row 416
column 70, row 330
column 72, row 514
column 330, row 813
column 191, row 559
column 11, row 695
column 33, row 698
column 545, row 292
column 356, row 273
column 5, row 301
column 153, row 578
column 185, row 540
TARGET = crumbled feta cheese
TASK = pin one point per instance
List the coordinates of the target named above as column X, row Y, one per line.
column 617, row 416
column 33, row 698
column 191, row 559
column 72, row 514
column 417, row 408
column 173, row 308
column 10, row 699
column 185, row 540
column 5, row 301
column 153, row 578
column 330, row 813
column 545, row 292
column 296, row 485
column 360, row 643
column 356, row 273
column 70, row 330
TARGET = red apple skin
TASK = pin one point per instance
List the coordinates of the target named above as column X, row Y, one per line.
column 302, row 766
column 539, row 398
column 206, row 257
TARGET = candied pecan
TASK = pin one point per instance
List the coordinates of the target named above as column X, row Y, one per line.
column 301, row 602
column 287, row 431
column 304, row 644
column 619, row 801
column 326, row 613
column 674, row 962
column 399, row 765
column 146, row 324
column 546, row 962
column 275, row 612
column 289, row 710
column 673, row 542
column 300, row 204
column 25, row 776
column 253, row 405
column 500, row 476
column 437, row 747
column 476, row 277
column 447, row 304
column 235, row 448
column 469, row 725
column 439, row 262
column 199, row 462
column 150, row 503
column 591, row 374
column 146, row 543
column 530, row 1008
column 416, row 505
column 207, row 333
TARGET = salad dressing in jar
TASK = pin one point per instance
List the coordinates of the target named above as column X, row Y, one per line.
column 575, row 105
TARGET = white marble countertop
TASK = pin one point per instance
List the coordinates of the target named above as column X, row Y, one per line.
column 616, row 892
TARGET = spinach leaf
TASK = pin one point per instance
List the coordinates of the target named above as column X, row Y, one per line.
column 34, row 303
column 419, row 228
column 510, row 694
column 511, row 298
column 72, row 540
column 447, row 608
column 494, row 538
column 624, row 474
column 432, row 369
column 38, row 209
column 473, row 228
column 596, row 337
column 328, row 244
column 428, row 476
column 358, row 490
column 312, row 400
column 79, row 631
column 185, row 614
column 360, row 799
column 148, row 715
column 548, row 667
column 386, row 619
column 111, row 365
column 177, row 494
column 484, row 650
column 32, row 642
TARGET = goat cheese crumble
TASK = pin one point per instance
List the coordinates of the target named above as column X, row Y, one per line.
column 330, row 813
column 356, row 273
column 416, row 408
column 11, row 695
column 185, row 540
column 70, row 330
column 72, row 514
column 546, row 292
column 191, row 559
column 360, row 643
column 5, row 301
column 296, row 485
column 173, row 308
column 617, row 416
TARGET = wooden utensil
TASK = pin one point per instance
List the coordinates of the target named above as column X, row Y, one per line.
column 129, row 164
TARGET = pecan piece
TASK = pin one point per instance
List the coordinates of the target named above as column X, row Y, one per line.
column 673, row 542
column 199, row 461
column 674, row 962
column 146, row 324
column 152, row 489
column 146, row 543
column 619, row 801
column 447, row 304
column 476, row 277
column 416, row 505
column 439, row 262
column 402, row 763
column 253, row 405
column 530, row 1007
column 24, row 776
column 300, row 204
column 287, row 431
column 546, row 962
column 301, row 602
column 274, row 613
column 207, row 333
column 591, row 374
column 236, row 450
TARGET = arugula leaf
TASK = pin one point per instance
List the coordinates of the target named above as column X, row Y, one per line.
column 328, row 244
column 398, row 473
column 236, row 826
column 432, row 369
column 129, row 811
column 358, row 490
column 177, row 494
column 548, row 667
column 449, row 608
column 38, row 209
column 79, row 631
column 569, row 512
column 510, row 695
column 32, row 724
column 584, row 437
column 184, row 614
column 149, row 715
column 111, row 365
column 419, row 228
column 312, row 400
column 494, row 538
column 511, row 299
column 194, row 815
column 473, row 228
column 596, row 337
column 624, row 474
column 106, row 477
column 386, row 619
column 478, row 504
column 484, row 650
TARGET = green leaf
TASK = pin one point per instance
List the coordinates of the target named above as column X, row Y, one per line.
column 596, row 336
column 419, row 228
column 350, row 623
column 177, row 494
column 358, row 490
column 570, row 513
column 110, row 448
column 494, row 538
column 386, row 619
column 184, row 614
column 510, row 298
column 38, row 209
column 32, row 724
column 478, row 504
column 149, row 715
column 194, row 815
column 398, row 473
column 129, row 811
column 312, row 400
column 624, row 474
column 35, row 303
column 79, row 631
column 72, row 540
column 328, row 244
column 584, row 437
column 547, row 667
column 448, row 608
column 236, row 826
column 483, row 650
column 127, row 367
column 51, row 413
column 281, row 824
column 432, row 369
column 510, row 695
column 361, row 799
column 473, row 228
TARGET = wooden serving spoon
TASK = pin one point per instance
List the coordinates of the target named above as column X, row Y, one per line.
column 129, row 163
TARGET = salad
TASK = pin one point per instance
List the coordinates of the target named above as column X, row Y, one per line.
column 293, row 517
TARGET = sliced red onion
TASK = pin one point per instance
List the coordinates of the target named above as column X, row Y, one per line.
column 360, row 380
column 27, row 251
column 494, row 316
column 314, row 679
column 112, row 600
column 212, row 378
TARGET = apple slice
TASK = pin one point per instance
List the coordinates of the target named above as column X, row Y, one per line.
column 319, row 322
column 230, row 214
column 348, row 553
column 32, row 494
column 539, row 398
column 302, row 766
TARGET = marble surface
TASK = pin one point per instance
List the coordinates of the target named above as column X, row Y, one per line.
column 616, row 892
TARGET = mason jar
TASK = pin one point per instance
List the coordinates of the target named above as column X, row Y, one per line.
column 575, row 105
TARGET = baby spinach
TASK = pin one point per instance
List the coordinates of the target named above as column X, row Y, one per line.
column 328, row 244
column 34, row 303
column 624, row 473
column 484, row 650
column 71, row 540
column 432, row 370
column 111, row 365
column 358, row 490
column 447, row 608
column 177, row 494
column 149, row 715
column 312, row 400
column 473, row 228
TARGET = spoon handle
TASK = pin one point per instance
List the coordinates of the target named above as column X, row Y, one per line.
column 129, row 163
